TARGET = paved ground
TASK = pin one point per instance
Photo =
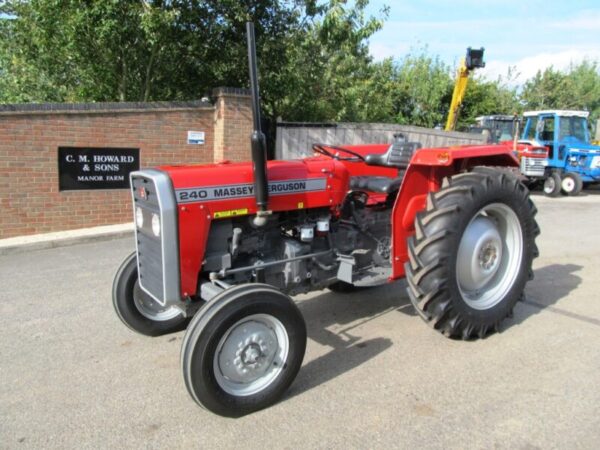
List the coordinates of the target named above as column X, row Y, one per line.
column 374, row 375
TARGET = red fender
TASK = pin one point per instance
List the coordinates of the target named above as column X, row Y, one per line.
column 425, row 173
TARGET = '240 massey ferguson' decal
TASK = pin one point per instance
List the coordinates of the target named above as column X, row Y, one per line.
column 231, row 191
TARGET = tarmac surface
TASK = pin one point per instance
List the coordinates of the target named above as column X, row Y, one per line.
column 374, row 376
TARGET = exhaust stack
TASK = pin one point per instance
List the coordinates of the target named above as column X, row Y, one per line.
column 258, row 141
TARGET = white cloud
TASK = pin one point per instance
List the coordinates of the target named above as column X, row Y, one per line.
column 527, row 67
column 380, row 51
column 588, row 20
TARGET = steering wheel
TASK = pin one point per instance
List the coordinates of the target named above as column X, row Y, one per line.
column 322, row 149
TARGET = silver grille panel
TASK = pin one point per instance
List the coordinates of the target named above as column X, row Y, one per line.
column 533, row 167
column 158, row 257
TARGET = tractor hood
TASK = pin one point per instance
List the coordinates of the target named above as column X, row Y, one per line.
column 313, row 182
column 585, row 149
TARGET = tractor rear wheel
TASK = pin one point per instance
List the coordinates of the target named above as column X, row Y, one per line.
column 552, row 185
column 138, row 310
column 471, row 255
column 571, row 184
column 242, row 350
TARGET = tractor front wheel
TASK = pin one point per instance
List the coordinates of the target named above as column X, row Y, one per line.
column 552, row 185
column 137, row 309
column 572, row 184
column 472, row 252
column 242, row 351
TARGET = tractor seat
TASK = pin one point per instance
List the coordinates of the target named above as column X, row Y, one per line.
column 397, row 155
column 381, row 185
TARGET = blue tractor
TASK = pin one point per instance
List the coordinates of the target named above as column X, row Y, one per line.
column 572, row 160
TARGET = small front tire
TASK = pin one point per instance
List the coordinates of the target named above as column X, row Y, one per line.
column 242, row 351
column 571, row 184
column 137, row 309
column 552, row 185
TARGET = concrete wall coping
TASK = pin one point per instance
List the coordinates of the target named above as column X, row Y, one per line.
column 231, row 92
column 101, row 107
column 362, row 126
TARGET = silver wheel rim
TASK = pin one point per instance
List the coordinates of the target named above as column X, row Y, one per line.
column 568, row 184
column 489, row 256
column 549, row 185
column 251, row 355
column 150, row 308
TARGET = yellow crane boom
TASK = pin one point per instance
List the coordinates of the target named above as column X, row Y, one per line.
column 473, row 60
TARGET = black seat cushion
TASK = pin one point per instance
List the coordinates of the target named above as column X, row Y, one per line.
column 382, row 185
column 397, row 155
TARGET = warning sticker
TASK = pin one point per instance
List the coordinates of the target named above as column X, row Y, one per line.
column 230, row 213
column 232, row 191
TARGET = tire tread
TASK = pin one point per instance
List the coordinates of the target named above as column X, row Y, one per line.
column 427, row 271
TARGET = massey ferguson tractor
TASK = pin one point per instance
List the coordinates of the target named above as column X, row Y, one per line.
column 227, row 245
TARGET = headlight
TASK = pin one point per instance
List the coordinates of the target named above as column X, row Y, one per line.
column 156, row 225
column 595, row 162
column 139, row 217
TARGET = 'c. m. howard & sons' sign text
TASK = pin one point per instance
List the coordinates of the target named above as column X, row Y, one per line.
column 96, row 168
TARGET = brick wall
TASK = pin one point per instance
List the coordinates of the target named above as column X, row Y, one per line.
column 30, row 135
column 233, row 112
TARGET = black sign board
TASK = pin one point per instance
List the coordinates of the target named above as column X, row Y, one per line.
column 96, row 168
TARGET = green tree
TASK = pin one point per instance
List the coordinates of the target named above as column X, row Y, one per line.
column 422, row 90
column 313, row 56
column 314, row 61
column 133, row 50
column 330, row 75
column 576, row 88
column 489, row 97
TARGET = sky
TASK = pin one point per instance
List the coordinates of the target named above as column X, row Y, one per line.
column 527, row 34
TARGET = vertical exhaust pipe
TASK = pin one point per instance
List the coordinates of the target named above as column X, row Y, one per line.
column 257, row 140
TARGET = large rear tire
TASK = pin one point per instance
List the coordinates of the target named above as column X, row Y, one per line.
column 472, row 252
column 138, row 310
column 242, row 351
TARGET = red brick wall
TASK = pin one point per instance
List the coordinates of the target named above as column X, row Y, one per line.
column 233, row 112
column 30, row 201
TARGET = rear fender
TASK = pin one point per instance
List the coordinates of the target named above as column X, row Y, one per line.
column 424, row 175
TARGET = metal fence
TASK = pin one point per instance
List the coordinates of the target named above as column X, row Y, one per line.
column 295, row 139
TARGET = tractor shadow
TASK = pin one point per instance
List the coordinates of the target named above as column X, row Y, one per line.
column 588, row 191
column 333, row 320
column 591, row 190
column 550, row 284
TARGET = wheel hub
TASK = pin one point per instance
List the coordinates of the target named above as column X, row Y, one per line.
column 478, row 254
column 568, row 184
column 250, row 354
column 489, row 255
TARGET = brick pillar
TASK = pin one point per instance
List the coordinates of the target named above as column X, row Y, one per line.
column 233, row 124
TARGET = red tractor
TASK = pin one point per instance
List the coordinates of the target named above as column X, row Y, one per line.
column 228, row 244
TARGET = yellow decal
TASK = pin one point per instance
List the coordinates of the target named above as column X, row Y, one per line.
column 300, row 205
column 230, row 213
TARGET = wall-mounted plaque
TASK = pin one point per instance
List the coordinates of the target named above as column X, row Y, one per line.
column 82, row 168
column 196, row 137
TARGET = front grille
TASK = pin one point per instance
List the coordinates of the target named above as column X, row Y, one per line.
column 158, row 264
column 533, row 167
